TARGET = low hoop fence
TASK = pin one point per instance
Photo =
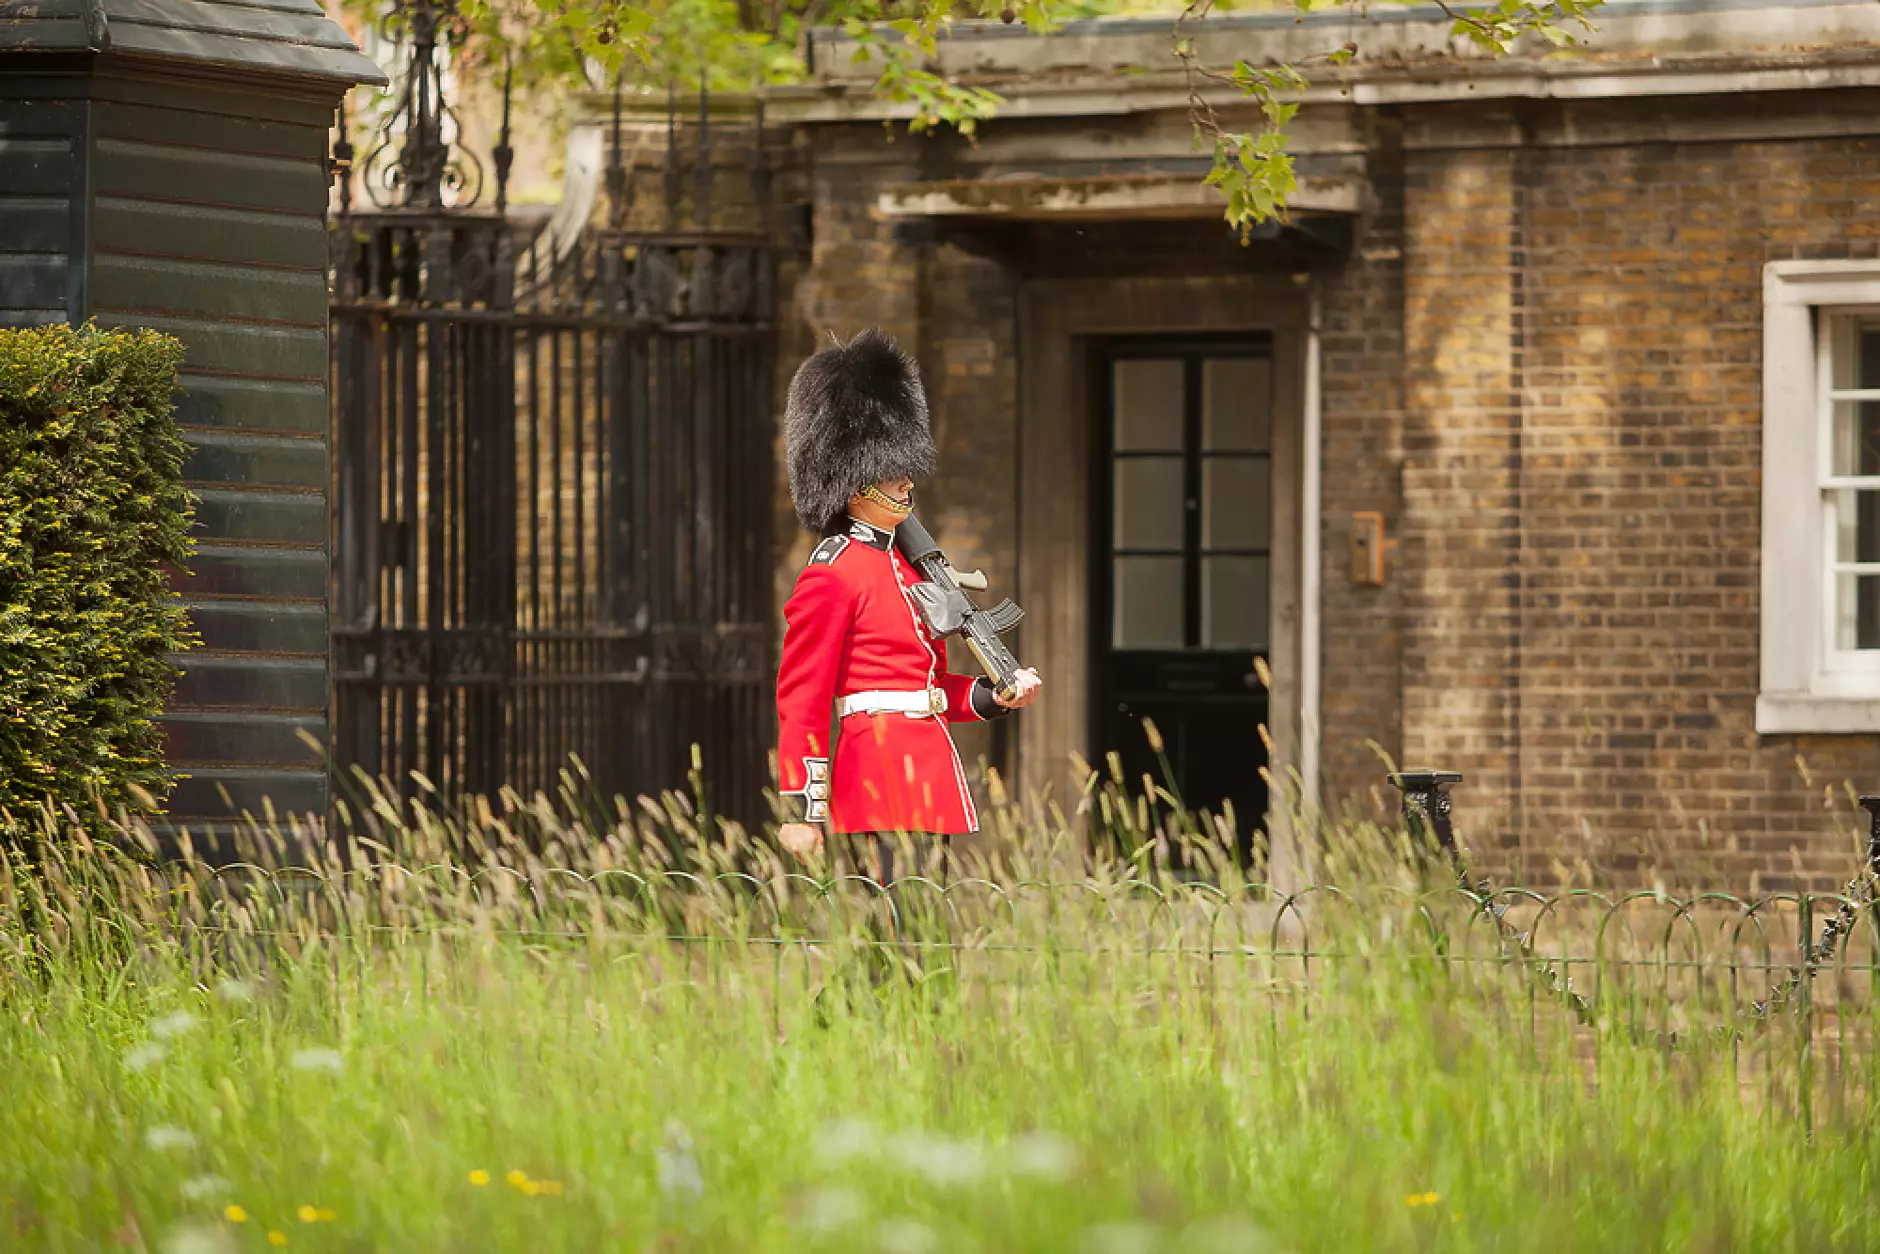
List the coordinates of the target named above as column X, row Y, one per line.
column 1647, row 965
column 1777, row 979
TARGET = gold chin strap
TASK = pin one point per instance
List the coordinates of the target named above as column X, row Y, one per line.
column 902, row 508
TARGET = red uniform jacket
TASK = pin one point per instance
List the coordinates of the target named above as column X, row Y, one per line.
column 850, row 627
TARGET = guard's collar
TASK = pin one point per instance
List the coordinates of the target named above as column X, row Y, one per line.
column 869, row 534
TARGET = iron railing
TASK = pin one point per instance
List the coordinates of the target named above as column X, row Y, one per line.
column 552, row 481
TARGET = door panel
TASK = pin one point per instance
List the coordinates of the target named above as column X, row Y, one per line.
column 1234, row 597
column 1181, row 573
column 1148, row 406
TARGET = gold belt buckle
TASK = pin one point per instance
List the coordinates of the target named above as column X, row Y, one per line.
column 936, row 701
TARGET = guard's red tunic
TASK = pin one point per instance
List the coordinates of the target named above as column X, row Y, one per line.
column 850, row 628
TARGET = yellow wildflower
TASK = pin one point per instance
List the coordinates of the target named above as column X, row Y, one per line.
column 529, row 1188
column 517, row 1178
column 308, row 1215
column 479, row 1177
column 550, row 1187
column 235, row 1214
column 326, row 1216
column 1422, row 1199
column 277, row 1238
column 1430, row 1199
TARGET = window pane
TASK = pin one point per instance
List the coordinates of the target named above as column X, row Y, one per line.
column 1856, row 437
column 1234, row 602
column 1856, row 352
column 1148, row 405
column 1236, row 393
column 1236, row 505
column 1149, row 503
column 1857, row 612
column 1147, row 613
column 1855, row 517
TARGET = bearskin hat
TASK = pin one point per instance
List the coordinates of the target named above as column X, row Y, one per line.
column 856, row 415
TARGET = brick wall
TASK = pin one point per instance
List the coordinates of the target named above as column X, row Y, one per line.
column 1461, row 534
column 1361, row 324
column 1580, row 529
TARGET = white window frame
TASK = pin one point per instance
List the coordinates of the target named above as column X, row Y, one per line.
column 1808, row 685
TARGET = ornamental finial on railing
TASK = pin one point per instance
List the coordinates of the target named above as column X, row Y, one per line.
column 503, row 153
column 420, row 157
column 1426, row 806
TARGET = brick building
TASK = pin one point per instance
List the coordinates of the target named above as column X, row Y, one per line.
column 1535, row 446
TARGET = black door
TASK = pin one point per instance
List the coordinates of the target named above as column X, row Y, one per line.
column 1182, row 571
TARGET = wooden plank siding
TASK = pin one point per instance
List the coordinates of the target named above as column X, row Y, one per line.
column 207, row 224
column 42, row 205
column 163, row 165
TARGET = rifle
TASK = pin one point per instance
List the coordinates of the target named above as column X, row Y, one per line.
column 949, row 611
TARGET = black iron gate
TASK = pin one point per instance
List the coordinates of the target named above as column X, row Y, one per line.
column 553, row 478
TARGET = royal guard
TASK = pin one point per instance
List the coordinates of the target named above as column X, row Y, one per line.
column 864, row 696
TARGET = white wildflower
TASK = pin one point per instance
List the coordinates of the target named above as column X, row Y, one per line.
column 844, row 1141
column 204, row 1188
column 907, row 1236
column 235, row 990
column 142, row 1057
column 174, row 1024
column 679, row 1176
column 330, row 1061
column 1127, row 1237
column 1045, row 1155
column 826, row 1210
column 1225, row 1235
column 198, row 1239
column 941, row 1160
column 163, row 1137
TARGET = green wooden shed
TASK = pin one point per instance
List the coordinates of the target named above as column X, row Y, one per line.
column 163, row 163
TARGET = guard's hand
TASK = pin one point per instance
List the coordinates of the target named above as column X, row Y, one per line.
column 805, row 840
column 1025, row 689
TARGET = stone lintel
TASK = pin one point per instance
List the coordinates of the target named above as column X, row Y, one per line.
column 1097, row 197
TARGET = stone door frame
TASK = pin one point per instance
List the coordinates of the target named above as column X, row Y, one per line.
column 1058, row 320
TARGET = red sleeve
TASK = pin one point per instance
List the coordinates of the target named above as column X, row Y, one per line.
column 969, row 699
column 817, row 619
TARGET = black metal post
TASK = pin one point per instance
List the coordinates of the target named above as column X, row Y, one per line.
column 504, row 155
column 1426, row 807
column 423, row 156
column 1872, row 806
column 342, row 162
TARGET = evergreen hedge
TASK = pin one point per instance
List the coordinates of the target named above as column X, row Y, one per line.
column 92, row 509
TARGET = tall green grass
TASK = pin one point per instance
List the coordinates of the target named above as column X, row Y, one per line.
column 491, row 1034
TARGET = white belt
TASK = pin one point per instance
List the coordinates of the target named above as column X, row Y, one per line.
column 920, row 703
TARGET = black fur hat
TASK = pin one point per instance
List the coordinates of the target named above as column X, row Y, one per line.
column 856, row 415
